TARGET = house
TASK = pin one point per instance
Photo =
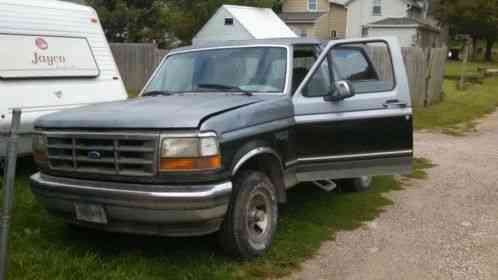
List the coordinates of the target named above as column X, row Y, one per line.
column 405, row 19
column 410, row 31
column 233, row 22
column 322, row 19
column 361, row 13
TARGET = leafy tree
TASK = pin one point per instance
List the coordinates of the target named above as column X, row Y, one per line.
column 134, row 20
column 477, row 18
column 160, row 20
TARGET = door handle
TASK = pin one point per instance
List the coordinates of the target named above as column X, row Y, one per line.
column 394, row 103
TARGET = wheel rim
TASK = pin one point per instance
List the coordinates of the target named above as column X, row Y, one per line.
column 259, row 216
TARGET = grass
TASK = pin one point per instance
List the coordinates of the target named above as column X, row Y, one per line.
column 42, row 247
column 459, row 110
column 418, row 168
column 132, row 94
column 453, row 69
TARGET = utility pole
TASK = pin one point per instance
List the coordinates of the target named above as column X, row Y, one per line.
column 8, row 191
column 466, row 49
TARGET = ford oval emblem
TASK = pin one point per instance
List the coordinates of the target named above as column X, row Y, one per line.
column 94, row 155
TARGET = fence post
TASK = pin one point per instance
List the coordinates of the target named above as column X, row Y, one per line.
column 8, row 190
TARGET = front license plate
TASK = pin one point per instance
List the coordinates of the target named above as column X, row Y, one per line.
column 90, row 213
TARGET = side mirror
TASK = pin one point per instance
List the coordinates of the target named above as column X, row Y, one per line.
column 342, row 90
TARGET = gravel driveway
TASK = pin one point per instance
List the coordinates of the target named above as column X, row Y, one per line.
column 444, row 227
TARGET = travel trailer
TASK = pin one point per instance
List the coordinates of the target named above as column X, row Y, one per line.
column 54, row 56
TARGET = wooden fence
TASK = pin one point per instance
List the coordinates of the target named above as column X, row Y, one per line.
column 425, row 68
column 136, row 62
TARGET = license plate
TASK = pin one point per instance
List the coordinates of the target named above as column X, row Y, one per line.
column 90, row 213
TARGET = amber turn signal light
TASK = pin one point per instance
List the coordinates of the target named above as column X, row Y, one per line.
column 187, row 164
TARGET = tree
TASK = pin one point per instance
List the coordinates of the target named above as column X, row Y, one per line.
column 477, row 18
column 134, row 20
column 160, row 20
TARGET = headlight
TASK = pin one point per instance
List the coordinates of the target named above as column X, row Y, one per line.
column 189, row 153
column 40, row 147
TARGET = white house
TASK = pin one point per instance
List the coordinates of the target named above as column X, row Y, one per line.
column 405, row 19
column 363, row 12
column 410, row 31
column 233, row 22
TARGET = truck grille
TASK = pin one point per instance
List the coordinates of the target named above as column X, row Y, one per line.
column 126, row 155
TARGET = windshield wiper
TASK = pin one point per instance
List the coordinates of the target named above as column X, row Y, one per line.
column 157, row 93
column 225, row 87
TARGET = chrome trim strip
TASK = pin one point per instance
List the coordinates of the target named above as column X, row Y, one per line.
column 291, row 163
column 105, row 134
column 345, row 116
column 353, row 156
column 253, row 153
column 216, row 190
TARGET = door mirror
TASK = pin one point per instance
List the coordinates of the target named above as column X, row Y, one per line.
column 342, row 90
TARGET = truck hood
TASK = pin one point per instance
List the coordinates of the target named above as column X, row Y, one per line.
column 161, row 112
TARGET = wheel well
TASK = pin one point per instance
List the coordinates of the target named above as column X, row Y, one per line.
column 271, row 166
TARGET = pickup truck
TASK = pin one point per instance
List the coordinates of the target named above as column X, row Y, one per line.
column 221, row 132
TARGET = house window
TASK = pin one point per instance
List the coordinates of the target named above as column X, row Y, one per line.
column 377, row 8
column 228, row 21
column 333, row 35
column 312, row 5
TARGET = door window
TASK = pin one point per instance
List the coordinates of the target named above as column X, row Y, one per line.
column 367, row 66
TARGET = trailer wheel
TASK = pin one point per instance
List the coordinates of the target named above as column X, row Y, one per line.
column 248, row 229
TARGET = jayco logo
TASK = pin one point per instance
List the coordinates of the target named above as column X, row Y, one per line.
column 50, row 60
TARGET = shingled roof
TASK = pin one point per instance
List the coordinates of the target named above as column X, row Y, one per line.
column 301, row 17
column 404, row 21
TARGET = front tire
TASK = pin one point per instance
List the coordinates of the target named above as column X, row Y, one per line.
column 251, row 221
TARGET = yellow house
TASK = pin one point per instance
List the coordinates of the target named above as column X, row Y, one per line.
column 322, row 19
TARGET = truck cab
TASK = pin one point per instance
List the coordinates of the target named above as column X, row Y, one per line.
column 222, row 131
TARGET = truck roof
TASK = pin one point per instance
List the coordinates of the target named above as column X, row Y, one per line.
column 255, row 42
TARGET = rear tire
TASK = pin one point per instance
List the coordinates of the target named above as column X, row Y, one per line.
column 251, row 221
column 361, row 184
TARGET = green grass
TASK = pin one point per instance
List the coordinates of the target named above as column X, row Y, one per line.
column 459, row 110
column 42, row 247
column 132, row 94
column 453, row 68
column 419, row 167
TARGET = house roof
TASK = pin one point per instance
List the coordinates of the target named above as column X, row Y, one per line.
column 260, row 22
column 301, row 17
column 411, row 2
column 403, row 22
column 338, row 2
column 285, row 42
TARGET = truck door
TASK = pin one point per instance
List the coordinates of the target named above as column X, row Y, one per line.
column 367, row 133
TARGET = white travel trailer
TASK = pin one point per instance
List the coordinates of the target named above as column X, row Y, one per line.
column 54, row 55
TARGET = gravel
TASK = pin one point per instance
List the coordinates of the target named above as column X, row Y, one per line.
column 443, row 227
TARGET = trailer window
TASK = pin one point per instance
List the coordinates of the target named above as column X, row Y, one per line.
column 37, row 56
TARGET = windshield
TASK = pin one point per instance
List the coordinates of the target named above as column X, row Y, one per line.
column 253, row 69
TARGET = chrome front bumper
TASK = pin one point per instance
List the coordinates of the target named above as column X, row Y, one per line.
column 184, row 210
